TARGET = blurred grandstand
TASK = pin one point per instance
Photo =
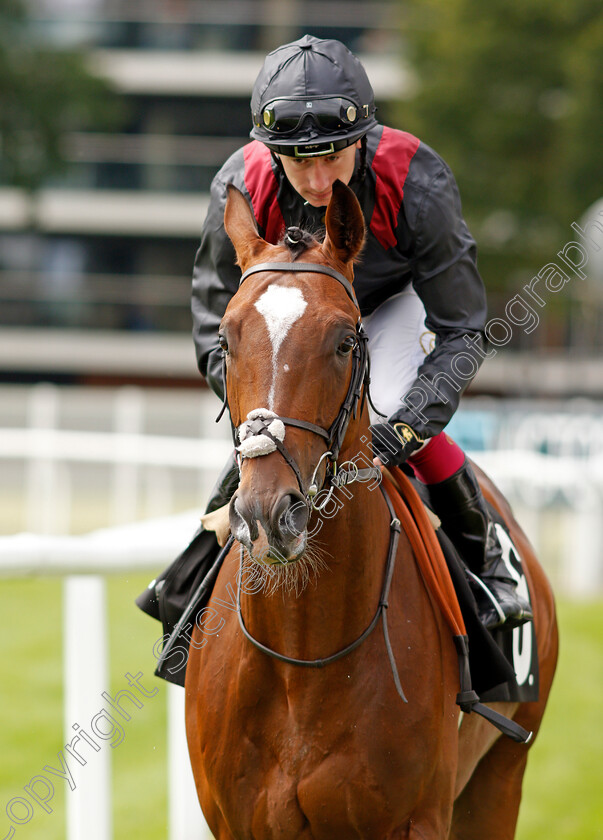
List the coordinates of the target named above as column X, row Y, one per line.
column 95, row 267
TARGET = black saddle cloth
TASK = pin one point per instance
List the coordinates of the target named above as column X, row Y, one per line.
column 493, row 654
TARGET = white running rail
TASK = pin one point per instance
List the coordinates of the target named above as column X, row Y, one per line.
column 532, row 481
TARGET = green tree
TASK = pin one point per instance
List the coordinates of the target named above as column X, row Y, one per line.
column 510, row 92
column 44, row 92
column 581, row 171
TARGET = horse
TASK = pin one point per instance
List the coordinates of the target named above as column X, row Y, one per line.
column 302, row 722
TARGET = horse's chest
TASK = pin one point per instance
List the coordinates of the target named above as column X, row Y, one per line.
column 318, row 753
column 298, row 784
column 317, row 774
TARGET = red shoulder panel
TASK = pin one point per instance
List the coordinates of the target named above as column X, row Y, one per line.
column 392, row 160
column 262, row 186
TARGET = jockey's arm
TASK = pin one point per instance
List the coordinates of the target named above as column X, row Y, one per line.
column 215, row 280
column 446, row 278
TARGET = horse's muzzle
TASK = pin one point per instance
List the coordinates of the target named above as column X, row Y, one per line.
column 274, row 531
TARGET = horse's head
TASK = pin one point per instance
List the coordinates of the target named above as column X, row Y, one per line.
column 295, row 359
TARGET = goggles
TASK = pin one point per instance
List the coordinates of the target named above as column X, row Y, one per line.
column 333, row 113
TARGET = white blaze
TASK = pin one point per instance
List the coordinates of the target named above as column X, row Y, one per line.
column 281, row 307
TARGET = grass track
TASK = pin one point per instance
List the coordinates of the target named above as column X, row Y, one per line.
column 564, row 783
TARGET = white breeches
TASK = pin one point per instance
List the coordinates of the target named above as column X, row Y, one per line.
column 398, row 345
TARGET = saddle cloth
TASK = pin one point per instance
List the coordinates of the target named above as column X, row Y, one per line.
column 503, row 663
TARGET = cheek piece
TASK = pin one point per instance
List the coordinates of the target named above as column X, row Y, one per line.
column 263, row 431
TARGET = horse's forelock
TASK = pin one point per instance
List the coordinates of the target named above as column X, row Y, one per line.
column 298, row 241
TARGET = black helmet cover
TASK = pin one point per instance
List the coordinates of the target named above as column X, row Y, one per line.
column 311, row 97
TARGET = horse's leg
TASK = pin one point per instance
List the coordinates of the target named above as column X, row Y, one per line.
column 489, row 804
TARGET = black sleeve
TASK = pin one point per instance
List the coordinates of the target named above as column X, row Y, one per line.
column 445, row 276
column 215, row 280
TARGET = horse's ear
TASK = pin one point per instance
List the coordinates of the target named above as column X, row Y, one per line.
column 241, row 226
column 345, row 224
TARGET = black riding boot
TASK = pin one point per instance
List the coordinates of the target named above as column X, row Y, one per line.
column 459, row 503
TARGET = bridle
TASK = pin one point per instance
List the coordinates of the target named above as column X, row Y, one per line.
column 358, row 390
column 259, row 423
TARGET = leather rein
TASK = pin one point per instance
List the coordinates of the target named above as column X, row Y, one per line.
column 381, row 613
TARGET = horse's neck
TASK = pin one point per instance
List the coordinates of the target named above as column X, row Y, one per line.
column 332, row 611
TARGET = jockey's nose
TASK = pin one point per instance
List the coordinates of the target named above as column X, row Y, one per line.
column 273, row 530
column 321, row 178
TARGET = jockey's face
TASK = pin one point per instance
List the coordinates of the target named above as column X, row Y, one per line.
column 313, row 177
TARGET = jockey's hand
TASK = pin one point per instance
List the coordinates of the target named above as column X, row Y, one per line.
column 394, row 442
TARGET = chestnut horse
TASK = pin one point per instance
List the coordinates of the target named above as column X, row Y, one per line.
column 280, row 750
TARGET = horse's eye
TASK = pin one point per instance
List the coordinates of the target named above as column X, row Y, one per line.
column 223, row 343
column 347, row 345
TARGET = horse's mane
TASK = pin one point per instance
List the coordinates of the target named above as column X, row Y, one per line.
column 298, row 241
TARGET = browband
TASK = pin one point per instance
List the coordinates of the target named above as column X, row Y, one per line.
column 316, row 268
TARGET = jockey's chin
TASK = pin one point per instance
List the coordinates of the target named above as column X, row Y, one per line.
column 318, row 199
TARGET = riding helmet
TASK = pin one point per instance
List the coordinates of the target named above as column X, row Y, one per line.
column 312, row 97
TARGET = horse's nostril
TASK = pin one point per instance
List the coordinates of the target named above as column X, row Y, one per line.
column 293, row 515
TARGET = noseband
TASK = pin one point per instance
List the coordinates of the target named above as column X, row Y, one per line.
column 264, row 431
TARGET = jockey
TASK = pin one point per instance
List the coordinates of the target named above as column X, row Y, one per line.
column 421, row 297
